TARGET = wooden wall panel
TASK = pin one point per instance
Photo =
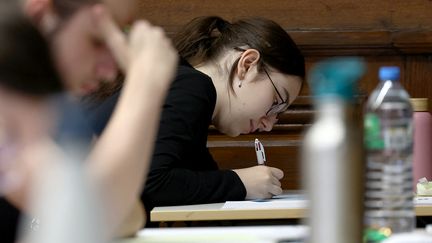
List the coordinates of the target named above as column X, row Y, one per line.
column 299, row 15
column 386, row 32
column 418, row 75
column 326, row 27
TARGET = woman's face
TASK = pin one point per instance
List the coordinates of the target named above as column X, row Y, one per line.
column 83, row 59
column 80, row 51
column 258, row 102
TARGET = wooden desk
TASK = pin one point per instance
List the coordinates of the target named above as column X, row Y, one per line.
column 214, row 211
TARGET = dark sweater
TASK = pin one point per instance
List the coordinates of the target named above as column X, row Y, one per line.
column 182, row 169
column 9, row 216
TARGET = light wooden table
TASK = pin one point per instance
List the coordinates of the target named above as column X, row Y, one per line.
column 214, row 211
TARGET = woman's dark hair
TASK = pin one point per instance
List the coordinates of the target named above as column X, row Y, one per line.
column 26, row 65
column 204, row 38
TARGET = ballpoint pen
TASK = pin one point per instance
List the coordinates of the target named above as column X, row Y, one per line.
column 259, row 149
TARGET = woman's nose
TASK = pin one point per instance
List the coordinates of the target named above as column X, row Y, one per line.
column 267, row 123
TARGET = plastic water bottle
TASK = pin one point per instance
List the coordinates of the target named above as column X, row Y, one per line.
column 388, row 127
column 332, row 154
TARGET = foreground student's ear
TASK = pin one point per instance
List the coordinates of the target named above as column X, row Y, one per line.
column 133, row 222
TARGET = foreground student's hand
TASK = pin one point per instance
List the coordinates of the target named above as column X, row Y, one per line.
column 147, row 52
column 112, row 36
column 152, row 56
column 32, row 160
column 261, row 181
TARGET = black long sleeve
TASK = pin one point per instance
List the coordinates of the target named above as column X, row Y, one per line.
column 182, row 169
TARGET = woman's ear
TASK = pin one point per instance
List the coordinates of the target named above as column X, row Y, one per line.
column 248, row 59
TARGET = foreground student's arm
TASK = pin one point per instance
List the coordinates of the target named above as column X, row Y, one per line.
column 120, row 158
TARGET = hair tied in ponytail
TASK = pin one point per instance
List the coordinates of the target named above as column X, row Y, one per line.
column 222, row 25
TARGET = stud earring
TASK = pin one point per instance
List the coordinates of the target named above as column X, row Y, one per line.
column 240, row 84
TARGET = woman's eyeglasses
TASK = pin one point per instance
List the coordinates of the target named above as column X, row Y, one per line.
column 276, row 108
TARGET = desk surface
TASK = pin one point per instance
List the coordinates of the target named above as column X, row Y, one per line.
column 215, row 211
column 249, row 234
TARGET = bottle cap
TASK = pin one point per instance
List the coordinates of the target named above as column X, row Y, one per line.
column 419, row 104
column 389, row 73
column 336, row 77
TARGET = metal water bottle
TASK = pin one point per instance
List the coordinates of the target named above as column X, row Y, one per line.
column 333, row 155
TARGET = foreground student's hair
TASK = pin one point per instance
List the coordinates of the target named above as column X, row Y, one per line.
column 26, row 65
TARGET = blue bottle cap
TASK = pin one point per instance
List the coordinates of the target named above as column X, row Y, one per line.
column 336, row 77
column 389, row 73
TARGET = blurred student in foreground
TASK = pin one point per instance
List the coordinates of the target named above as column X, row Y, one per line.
column 115, row 163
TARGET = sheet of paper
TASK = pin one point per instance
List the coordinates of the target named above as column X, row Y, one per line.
column 290, row 200
column 285, row 200
column 422, row 200
column 265, row 204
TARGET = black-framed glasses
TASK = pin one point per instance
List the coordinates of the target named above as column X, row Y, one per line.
column 276, row 108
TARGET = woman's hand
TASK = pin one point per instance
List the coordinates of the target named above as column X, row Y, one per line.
column 261, row 181
column 151, row 56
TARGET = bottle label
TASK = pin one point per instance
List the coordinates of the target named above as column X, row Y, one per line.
column 372, row 126
column 394, row 136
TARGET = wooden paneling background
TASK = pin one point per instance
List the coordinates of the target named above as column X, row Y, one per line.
column 386, row 32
